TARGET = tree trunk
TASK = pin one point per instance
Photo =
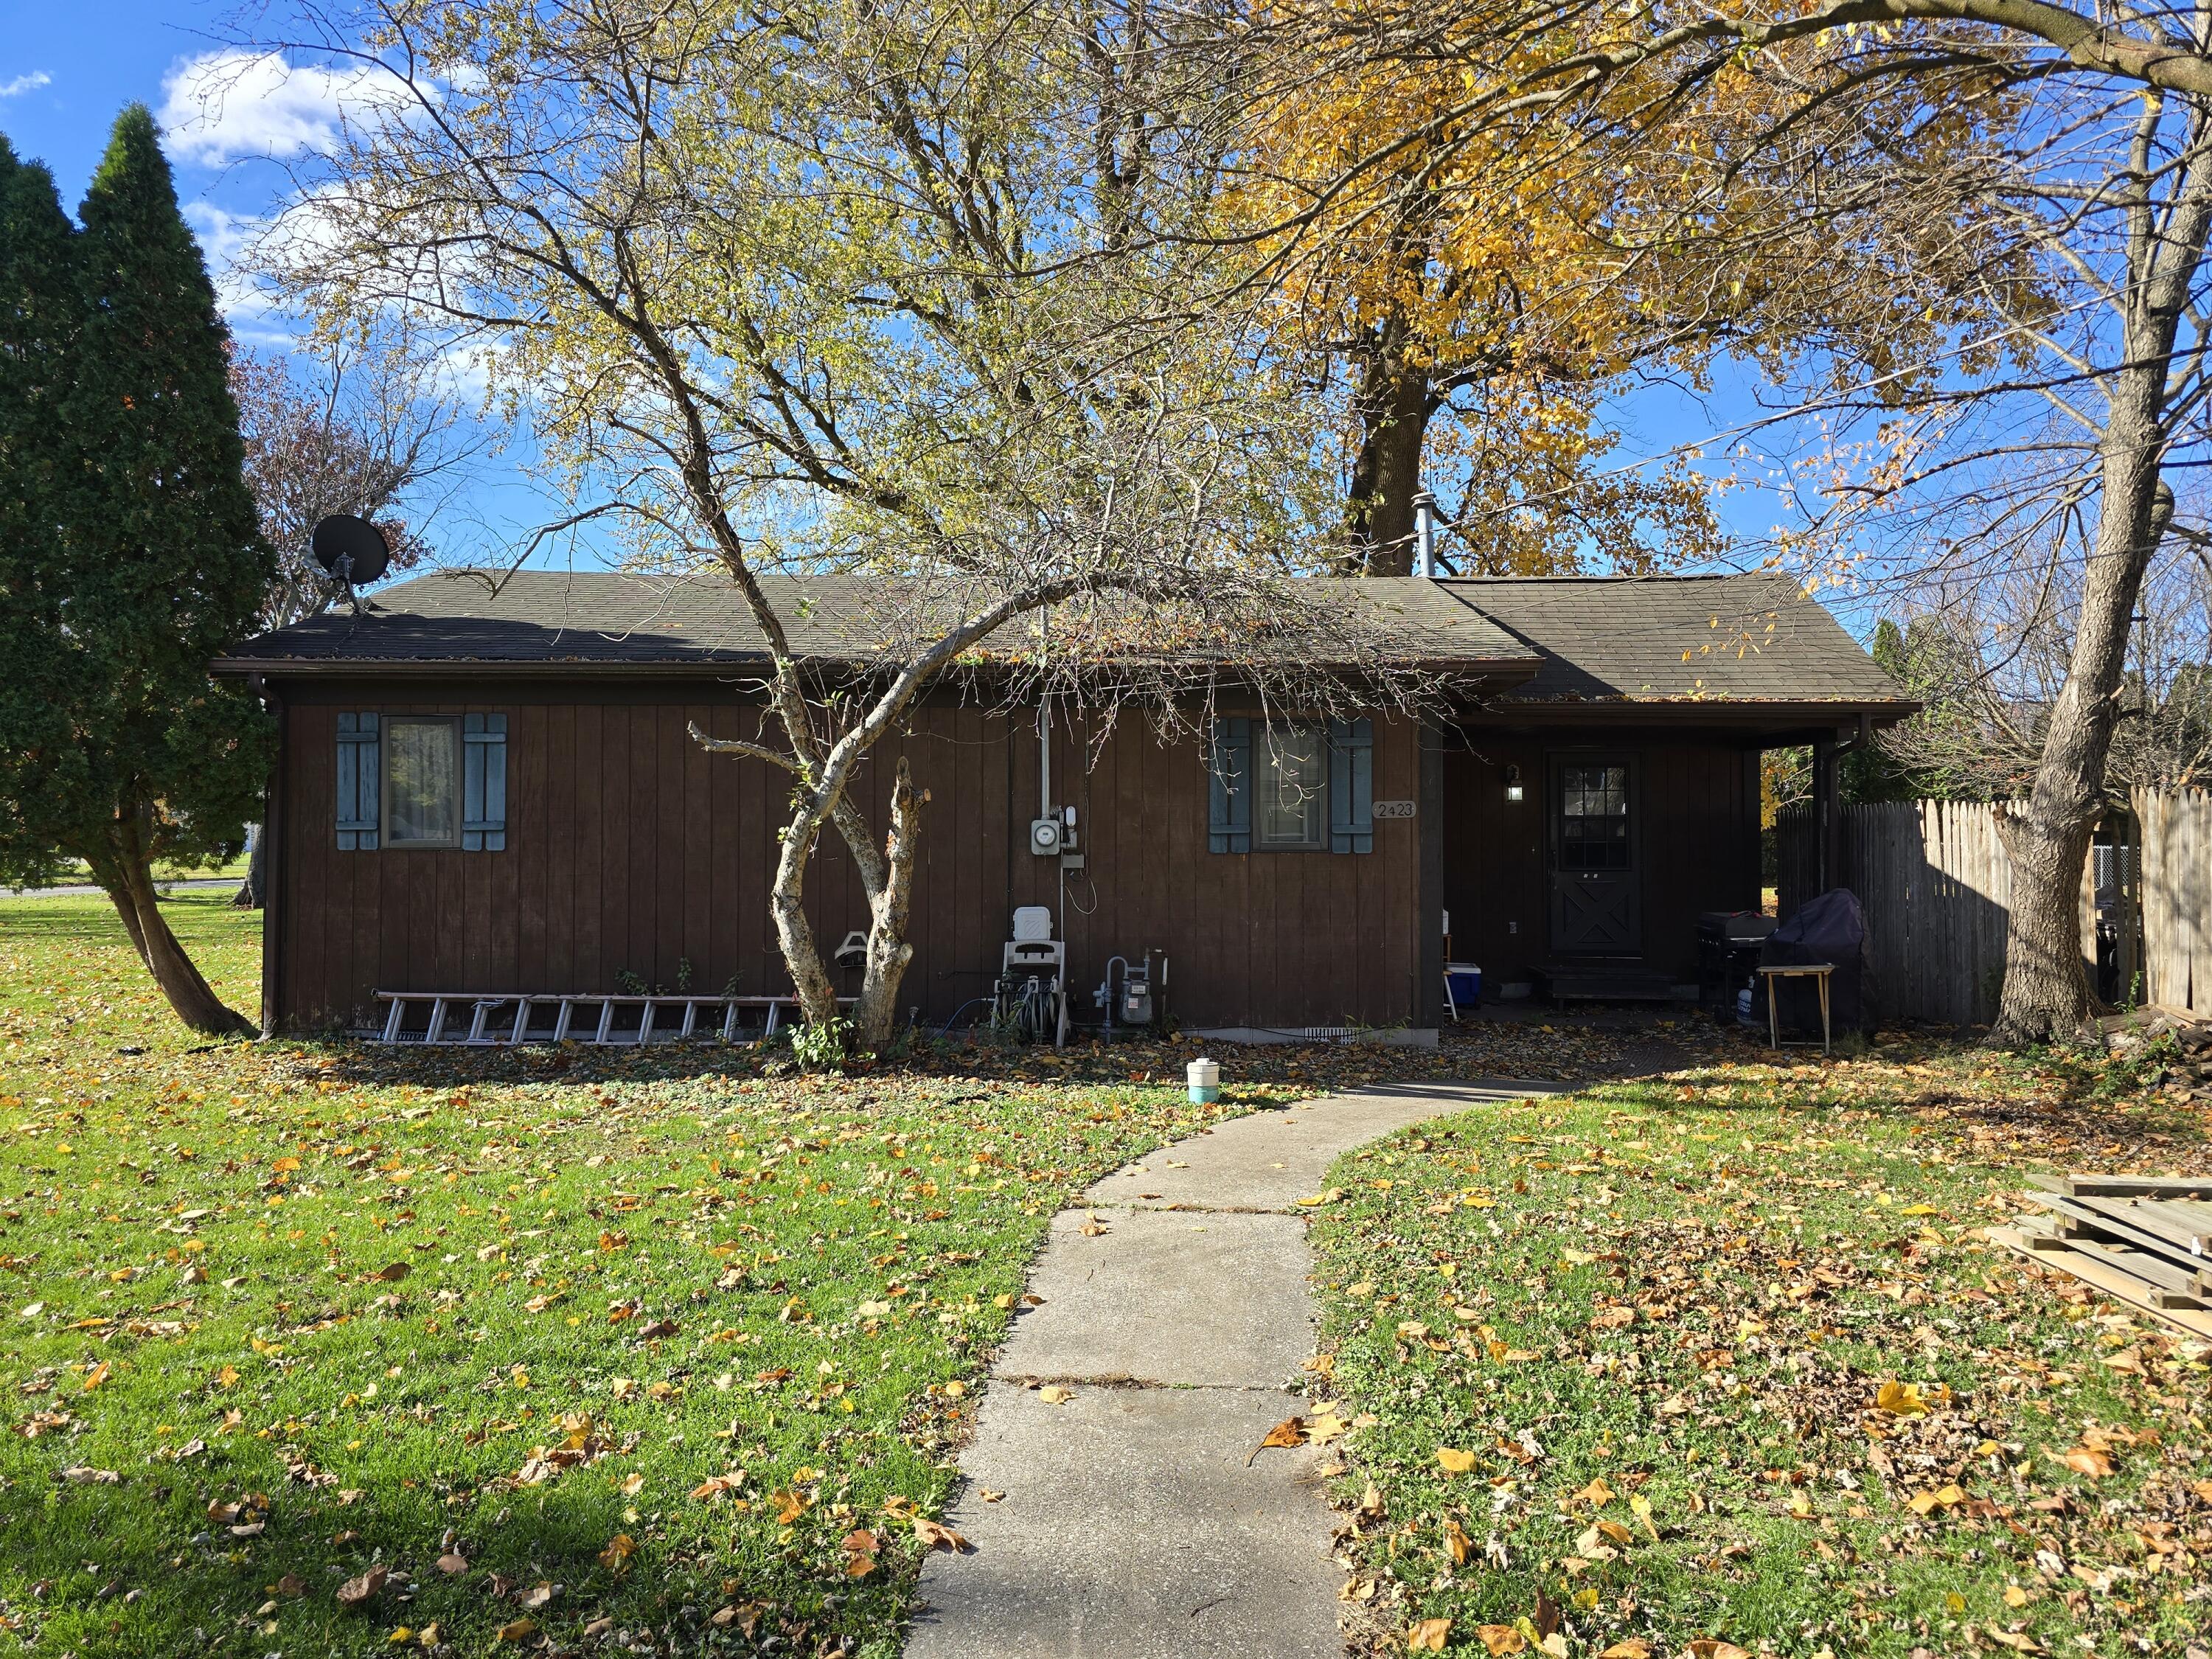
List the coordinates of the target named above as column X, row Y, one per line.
column 876, row 1014
column 250, row 891
column 1393, row 408
column 128, row 880
column 794, row 934
column 2047, row 997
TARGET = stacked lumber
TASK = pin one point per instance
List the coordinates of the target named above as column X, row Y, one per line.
column 2144, row 1240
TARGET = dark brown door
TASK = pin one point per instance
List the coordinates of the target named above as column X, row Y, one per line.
column 1596, row 889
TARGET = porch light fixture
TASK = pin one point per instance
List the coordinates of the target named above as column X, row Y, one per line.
column 1513, row 791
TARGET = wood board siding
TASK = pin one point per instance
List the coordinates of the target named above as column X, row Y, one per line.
column 629, row 848
column 1695, row 815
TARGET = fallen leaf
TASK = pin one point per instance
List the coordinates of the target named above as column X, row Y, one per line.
column 1428, row 1636
column 1500, row 1639
column 1291, row 1432
column 95, row 1376
column 935, row 1535
column 616, row 1556
column 536, row 1596
column 453, row 1561
column 518, row 1630
column 2087, row 1460
column 1943, row 1498
column 391, row 1274
column 1053, row 1394
column 1900, row 1399
column 1455, row 1460
column 1457, row 1544
column 355, row 1591
column 1597, row 1494
column 1629, row 1647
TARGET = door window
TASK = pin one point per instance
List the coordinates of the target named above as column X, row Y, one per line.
column 1593, row 817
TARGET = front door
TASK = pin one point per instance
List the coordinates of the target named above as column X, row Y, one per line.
column 1596, row 890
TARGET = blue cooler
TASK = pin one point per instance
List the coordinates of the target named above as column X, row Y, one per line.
column 1465, row 981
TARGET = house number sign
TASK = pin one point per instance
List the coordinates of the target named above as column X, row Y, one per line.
column 1393, row 809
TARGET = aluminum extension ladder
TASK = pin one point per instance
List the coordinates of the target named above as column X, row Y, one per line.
column 606, row 1019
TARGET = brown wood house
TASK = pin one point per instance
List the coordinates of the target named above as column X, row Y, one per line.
column 492, row 792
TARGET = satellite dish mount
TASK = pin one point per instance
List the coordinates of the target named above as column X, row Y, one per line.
column 353, row 550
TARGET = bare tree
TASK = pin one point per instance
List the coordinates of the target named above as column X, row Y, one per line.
column 830, row 286
column 345, row 425
column 1990, row 658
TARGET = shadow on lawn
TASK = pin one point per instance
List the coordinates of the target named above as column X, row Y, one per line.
column 155, row 1564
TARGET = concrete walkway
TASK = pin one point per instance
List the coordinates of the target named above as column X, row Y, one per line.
column 1131, row 1521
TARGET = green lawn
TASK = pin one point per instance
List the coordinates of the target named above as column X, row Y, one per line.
column 1726, row 1359
column 549, row 1339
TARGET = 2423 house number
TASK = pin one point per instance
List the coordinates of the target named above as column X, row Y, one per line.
column 1393, row 809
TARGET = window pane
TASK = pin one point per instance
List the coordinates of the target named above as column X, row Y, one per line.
column 421, row 806
column 1593, row 817
column 1288, row 765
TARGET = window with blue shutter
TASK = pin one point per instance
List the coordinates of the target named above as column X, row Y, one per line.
column 1228, row 793
column 1351, row 786
column 360, row 770
column 483, row 783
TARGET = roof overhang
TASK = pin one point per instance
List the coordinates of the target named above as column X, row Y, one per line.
column 1702, row 711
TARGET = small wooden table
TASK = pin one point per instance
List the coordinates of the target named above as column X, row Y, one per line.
column 1818, row 972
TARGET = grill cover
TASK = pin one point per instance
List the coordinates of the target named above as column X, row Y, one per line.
column 1828, row 928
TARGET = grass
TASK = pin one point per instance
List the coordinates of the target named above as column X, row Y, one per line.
column 661, row 1347
column 1727, row 1360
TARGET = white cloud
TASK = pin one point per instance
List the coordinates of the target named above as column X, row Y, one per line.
column 230, row 105
column 23, row 83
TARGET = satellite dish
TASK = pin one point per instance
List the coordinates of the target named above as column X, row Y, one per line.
column 352, row 549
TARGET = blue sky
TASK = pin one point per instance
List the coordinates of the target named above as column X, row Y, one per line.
column 65, row 71
column 66, row 68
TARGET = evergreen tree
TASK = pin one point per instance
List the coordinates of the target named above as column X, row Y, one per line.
column 133, row 554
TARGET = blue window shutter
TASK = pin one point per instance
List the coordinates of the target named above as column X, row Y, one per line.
column 1351, row 786
column 360, row 773
column 1228, row 793
column 483, row 783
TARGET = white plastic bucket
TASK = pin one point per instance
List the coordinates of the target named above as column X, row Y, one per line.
column 1204, row 1078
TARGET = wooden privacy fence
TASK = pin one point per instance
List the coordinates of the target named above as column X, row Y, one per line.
column 1936, row 887
column 2177, row 897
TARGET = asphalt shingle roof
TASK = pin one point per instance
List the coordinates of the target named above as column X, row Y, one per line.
column 601, row 617
column 1749, row 638
column 1735, row 638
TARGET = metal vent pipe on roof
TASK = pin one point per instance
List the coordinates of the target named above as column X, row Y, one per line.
column 1424, row 535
